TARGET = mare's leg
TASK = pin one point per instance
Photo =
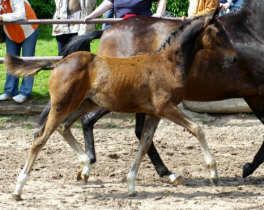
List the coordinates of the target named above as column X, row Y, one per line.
column 153, row 154
column 39, row 141
column 88, row 122
column 257, row 105
column 174, row 114
column 150, row 126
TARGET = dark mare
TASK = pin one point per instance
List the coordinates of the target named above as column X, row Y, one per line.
column 245, row 29
column 149, row 83
column 130, row 37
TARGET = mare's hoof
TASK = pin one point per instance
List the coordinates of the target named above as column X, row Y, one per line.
column 247, row 170
column 175, row 179
column 17, row 197
column 132, row 195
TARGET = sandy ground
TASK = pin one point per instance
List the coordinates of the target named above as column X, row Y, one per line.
column 234, row 139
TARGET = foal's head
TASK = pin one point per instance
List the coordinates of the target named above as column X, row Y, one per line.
column 203, row 33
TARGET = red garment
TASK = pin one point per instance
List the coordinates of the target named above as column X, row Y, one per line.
column 128, row 16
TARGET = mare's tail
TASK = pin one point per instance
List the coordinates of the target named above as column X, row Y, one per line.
column 19, row 67
column 81, row 43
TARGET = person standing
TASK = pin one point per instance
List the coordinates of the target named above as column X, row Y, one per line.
column 18, row 37
column 87, row 7
column 64, row 32
column 127, row 8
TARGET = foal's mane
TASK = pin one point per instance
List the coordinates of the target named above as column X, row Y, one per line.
column 177, row 31
column 185, row 36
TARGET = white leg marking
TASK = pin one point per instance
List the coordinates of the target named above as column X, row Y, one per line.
column 84, row 159
column 21, row 181
column 209, row 158
column 131, row 182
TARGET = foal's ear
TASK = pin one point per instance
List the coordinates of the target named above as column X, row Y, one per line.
column 210, row 19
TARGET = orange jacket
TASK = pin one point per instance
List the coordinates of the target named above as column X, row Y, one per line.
column 15, row 32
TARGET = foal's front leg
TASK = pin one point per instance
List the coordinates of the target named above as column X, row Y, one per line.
column 153, row 154
column 150, row 126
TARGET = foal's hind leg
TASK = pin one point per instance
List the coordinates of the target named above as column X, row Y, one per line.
column 64, row 130
column 38, row 142
column 173, row 113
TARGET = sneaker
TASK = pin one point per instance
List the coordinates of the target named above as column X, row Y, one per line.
column 5, row 97
column 20, row 98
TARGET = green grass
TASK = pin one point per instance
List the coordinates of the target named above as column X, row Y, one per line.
column 46, row 46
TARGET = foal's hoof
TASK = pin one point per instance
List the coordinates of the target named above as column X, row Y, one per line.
column 81, row 177
column 175, row 179
column 17, row 197
column 79, row 174
column 247, row 170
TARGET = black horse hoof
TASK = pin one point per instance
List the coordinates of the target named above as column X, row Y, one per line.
column 247, row 170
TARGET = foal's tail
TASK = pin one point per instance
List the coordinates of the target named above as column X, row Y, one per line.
column 81, row 43
column 18, row 67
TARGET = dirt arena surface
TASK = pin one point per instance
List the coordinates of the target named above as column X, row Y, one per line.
column 234, row 139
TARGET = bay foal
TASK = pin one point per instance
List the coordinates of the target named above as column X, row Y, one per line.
column 140, row 34
column 149, row 83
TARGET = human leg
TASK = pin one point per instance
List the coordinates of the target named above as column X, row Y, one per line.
column 11, row 84
column 28, row 49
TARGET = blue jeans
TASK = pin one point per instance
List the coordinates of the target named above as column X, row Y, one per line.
column 28, row 49
column 107, row 14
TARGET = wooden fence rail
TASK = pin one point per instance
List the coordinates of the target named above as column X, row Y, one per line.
column 75, row 21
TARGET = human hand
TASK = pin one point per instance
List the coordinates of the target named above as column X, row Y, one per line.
column 87, row 18
column 225, row 6
column 1, row 18
column 156, row 15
